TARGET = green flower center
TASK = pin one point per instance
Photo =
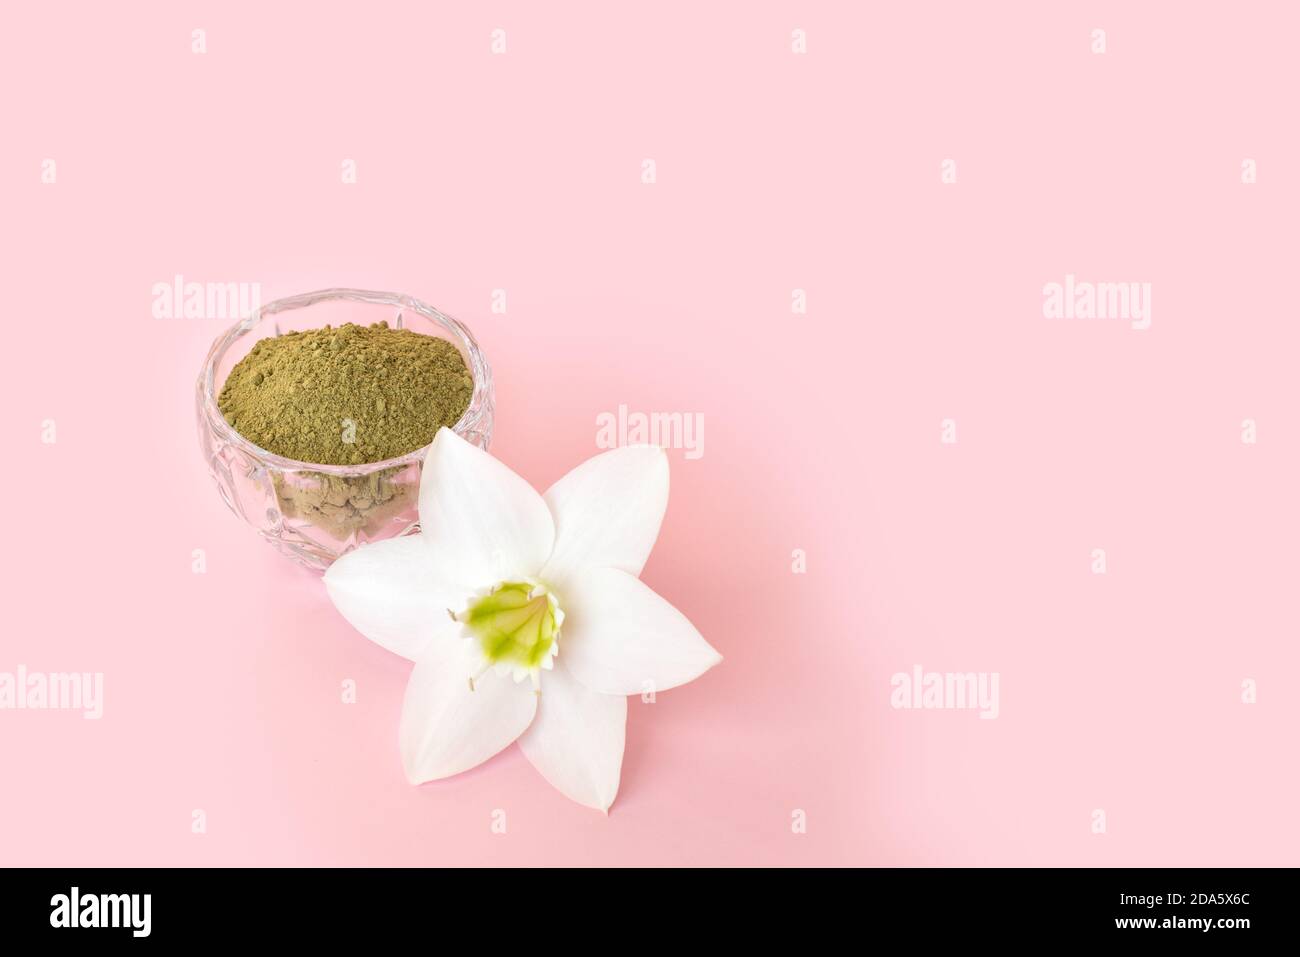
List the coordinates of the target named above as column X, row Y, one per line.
column 517, row 624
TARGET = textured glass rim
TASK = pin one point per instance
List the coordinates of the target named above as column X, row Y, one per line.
column 475, row 416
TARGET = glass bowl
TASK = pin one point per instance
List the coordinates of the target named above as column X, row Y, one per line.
column 316, row 513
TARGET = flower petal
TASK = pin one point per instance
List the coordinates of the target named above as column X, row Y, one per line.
column 386, row 591
column 576, row 740
column 608, row 511
column 448, row 728
column 481, row 521
column 621, row 638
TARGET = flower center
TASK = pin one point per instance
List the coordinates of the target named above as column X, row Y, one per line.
column 516, row 626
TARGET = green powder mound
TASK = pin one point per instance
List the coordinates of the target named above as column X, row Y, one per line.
column 346, row 395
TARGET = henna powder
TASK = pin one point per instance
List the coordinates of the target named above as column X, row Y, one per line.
column 345, row 395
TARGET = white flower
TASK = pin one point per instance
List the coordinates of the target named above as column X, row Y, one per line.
column 504, row 584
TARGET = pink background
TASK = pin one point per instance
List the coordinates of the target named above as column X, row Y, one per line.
column 776, row 171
